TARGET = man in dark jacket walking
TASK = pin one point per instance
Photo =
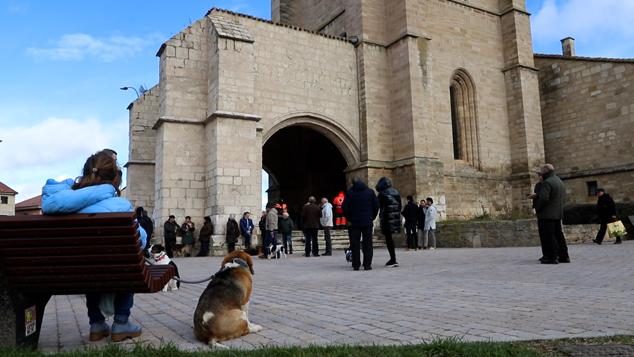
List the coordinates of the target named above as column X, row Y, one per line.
column 169, row 231
column 606, row 208
column 410, row 214
column 360, row 209
column 390, row 216
column 550, row 210
column 311, row 213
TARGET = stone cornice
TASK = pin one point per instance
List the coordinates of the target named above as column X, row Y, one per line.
column 520, row 66
column 168, row 119
column 399, row 38
column 232, row 115
column 514, row 9
column 389, row 165
column 139, row 162
column 490, row 12
column 597, row 172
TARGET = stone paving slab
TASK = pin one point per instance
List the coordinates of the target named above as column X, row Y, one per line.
column 499, row 294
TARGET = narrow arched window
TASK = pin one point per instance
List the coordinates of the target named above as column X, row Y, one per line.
column 464, row 121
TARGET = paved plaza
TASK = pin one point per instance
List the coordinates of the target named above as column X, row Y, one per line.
column 499, row 294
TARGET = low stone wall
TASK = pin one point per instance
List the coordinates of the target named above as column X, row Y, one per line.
column 493, row 234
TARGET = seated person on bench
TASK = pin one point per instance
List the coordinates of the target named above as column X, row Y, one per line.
column 96, row 191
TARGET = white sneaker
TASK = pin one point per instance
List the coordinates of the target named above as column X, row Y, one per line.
column 432, row 248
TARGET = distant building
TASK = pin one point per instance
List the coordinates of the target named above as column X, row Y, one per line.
column 7, row 200
column 30, row 207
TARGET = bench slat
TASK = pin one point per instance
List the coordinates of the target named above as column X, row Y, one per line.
column 58, row 251
column 79, row 278
column 52, row 271
column 67, row 232
column 73, row 220
column 65, row 241
column 73, row 260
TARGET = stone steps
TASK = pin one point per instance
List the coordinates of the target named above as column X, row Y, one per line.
column 338, row 237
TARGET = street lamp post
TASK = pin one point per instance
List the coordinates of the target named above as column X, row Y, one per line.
column 135, row 91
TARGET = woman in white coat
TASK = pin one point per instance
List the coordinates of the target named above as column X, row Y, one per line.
column 430, row 224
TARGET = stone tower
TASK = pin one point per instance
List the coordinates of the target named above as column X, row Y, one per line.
column 449, row 99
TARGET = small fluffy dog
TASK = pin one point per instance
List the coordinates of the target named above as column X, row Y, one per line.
column 223, row 308
column 161, row 258
column 277, row 251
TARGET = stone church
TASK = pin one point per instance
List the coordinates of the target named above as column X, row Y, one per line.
column 443, row 96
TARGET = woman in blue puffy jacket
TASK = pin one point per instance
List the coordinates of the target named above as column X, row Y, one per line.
column 96, row 191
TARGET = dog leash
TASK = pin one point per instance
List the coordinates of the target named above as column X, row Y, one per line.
column 148, row 262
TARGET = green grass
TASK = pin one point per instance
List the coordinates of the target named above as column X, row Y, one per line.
column 439, row 348
column 449, row 347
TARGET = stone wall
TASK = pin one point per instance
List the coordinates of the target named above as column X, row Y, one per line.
column 588, row 118
column 143, row 113
column 9, row 208
column 495, row 234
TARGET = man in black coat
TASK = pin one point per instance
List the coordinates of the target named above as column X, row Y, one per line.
column 311, row 213
column 410, row 213
column 360, row 208
column 169, row 231
column 606, row 208
column 146, row 223
column 420, row 222
column 550, row 210
column 390, row 216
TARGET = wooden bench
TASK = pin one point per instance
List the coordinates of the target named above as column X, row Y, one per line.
column 41, row 256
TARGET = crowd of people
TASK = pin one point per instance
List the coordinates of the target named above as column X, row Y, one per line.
column 355, row 209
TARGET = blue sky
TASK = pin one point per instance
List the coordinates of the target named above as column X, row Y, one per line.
column 63, row 63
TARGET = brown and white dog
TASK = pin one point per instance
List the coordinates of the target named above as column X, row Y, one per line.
column 223, row 308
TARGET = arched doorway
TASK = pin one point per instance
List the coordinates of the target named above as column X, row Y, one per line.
column 304, row 162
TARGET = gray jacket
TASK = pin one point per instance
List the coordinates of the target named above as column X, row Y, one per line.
column 551, row 199
column 271, row 219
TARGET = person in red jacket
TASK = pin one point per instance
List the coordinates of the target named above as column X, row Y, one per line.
column 337, row 202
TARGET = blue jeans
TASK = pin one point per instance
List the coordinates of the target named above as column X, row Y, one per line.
column 288, row 243
column 122, row 304
column 269, row 238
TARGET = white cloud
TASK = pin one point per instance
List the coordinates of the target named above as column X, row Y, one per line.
column 601, row 28
column 78, row 46
column 55, row 147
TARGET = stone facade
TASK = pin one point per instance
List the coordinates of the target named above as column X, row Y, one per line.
column 588, row 118
column 440, row 95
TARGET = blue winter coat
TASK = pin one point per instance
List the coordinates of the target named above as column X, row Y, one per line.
column 59, row 198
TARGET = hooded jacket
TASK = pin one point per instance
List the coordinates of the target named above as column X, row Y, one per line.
column 360, row 206
column 59, row 198
column 390, row 203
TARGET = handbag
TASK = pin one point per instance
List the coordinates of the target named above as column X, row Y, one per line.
column 616, row 229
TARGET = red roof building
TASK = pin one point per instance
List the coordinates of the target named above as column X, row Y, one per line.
column 32, row 206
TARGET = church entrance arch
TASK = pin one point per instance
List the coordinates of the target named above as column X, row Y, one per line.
column 304, row 161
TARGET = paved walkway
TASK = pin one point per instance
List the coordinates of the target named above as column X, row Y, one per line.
column 476, row 294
